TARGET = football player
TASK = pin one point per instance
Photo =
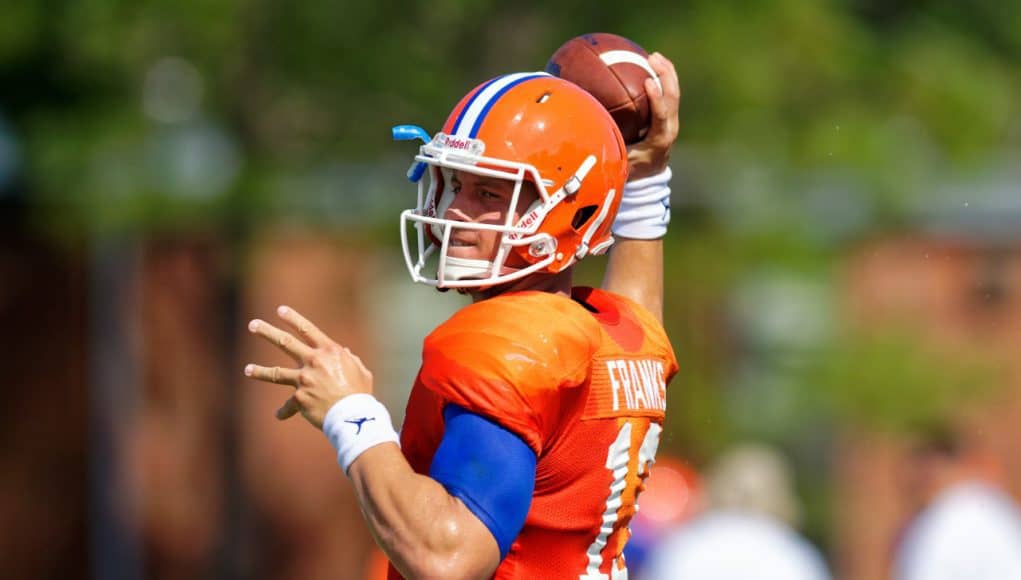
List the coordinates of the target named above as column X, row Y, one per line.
column 537, row 411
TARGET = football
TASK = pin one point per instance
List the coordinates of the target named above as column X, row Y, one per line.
column 613, row 69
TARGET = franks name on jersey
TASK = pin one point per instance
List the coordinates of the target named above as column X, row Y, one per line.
column 627, row 387
column 638, row 384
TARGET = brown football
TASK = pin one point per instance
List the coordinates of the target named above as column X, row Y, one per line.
column 613, row 69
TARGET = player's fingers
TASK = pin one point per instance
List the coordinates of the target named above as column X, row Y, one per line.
column 658, row 104
column 664, row 107
column 668, row 79
column 289, row 408
column 278, row 375
column 663, row 122
column 308, row 332
column 667, row 74
column 286, row 342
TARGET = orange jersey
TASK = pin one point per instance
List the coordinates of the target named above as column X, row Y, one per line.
column 585, row 390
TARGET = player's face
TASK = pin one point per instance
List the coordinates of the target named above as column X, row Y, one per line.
column 483, row 200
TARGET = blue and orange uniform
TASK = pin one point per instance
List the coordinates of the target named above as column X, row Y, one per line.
column 578, row 387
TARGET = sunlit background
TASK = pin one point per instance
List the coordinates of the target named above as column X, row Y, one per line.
column 843, row 271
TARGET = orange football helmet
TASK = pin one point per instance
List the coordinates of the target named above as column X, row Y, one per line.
column 520, row 127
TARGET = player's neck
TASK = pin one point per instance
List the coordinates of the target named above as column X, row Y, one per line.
column 559, row 283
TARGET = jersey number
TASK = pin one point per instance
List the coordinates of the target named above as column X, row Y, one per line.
column 617, row 459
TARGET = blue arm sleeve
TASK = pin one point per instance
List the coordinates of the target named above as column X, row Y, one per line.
column 489, row 468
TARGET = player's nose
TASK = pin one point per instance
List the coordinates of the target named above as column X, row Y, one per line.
column 461, row 209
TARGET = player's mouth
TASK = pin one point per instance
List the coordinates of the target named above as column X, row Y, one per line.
column 465, row 246
column 462, row 239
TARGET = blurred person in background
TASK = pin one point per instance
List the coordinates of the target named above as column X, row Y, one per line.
column 506, row 468
column 746, row 529
column 966, row 526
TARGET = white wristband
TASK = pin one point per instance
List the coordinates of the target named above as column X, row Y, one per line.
column 644, row 208
column 355, row 424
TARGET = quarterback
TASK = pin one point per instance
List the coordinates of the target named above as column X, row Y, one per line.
column 536, row 413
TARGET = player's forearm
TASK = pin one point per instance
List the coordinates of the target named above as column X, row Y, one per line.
column 635, row 271
column 426, row 532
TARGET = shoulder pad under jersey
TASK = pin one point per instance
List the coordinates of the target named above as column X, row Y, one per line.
column 512, row 358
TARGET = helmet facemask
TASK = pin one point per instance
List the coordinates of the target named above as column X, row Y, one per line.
column 433, row 230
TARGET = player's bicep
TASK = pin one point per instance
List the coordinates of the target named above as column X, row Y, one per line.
column 490, row 469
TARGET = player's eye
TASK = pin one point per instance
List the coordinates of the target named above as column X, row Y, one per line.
column 486, row 194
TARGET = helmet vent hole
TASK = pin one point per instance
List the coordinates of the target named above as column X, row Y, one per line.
column 544, row 97
column 583, row 215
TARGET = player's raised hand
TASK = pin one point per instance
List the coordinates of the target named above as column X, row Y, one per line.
column 651, row 155
column 326, row 372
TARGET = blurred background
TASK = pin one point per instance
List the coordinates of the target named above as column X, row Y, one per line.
column 843, row 273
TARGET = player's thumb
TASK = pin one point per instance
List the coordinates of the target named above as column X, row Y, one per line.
column 289, row 408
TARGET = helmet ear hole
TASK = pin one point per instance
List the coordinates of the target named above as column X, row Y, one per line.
column 582, row 216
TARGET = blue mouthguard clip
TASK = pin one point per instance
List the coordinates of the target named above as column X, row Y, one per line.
column 410, row 133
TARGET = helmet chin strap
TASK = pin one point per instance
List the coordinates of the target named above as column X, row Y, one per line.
column 456, row 269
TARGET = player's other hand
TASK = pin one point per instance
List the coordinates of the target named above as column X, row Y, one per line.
column 326, row 372
column 651, row 155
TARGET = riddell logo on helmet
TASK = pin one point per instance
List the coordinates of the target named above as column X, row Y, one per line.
column 463, row 145
column 527, row 222
column 456, row 143
column 529, row 219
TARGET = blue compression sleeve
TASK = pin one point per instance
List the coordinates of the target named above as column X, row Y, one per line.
column 489, row 468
